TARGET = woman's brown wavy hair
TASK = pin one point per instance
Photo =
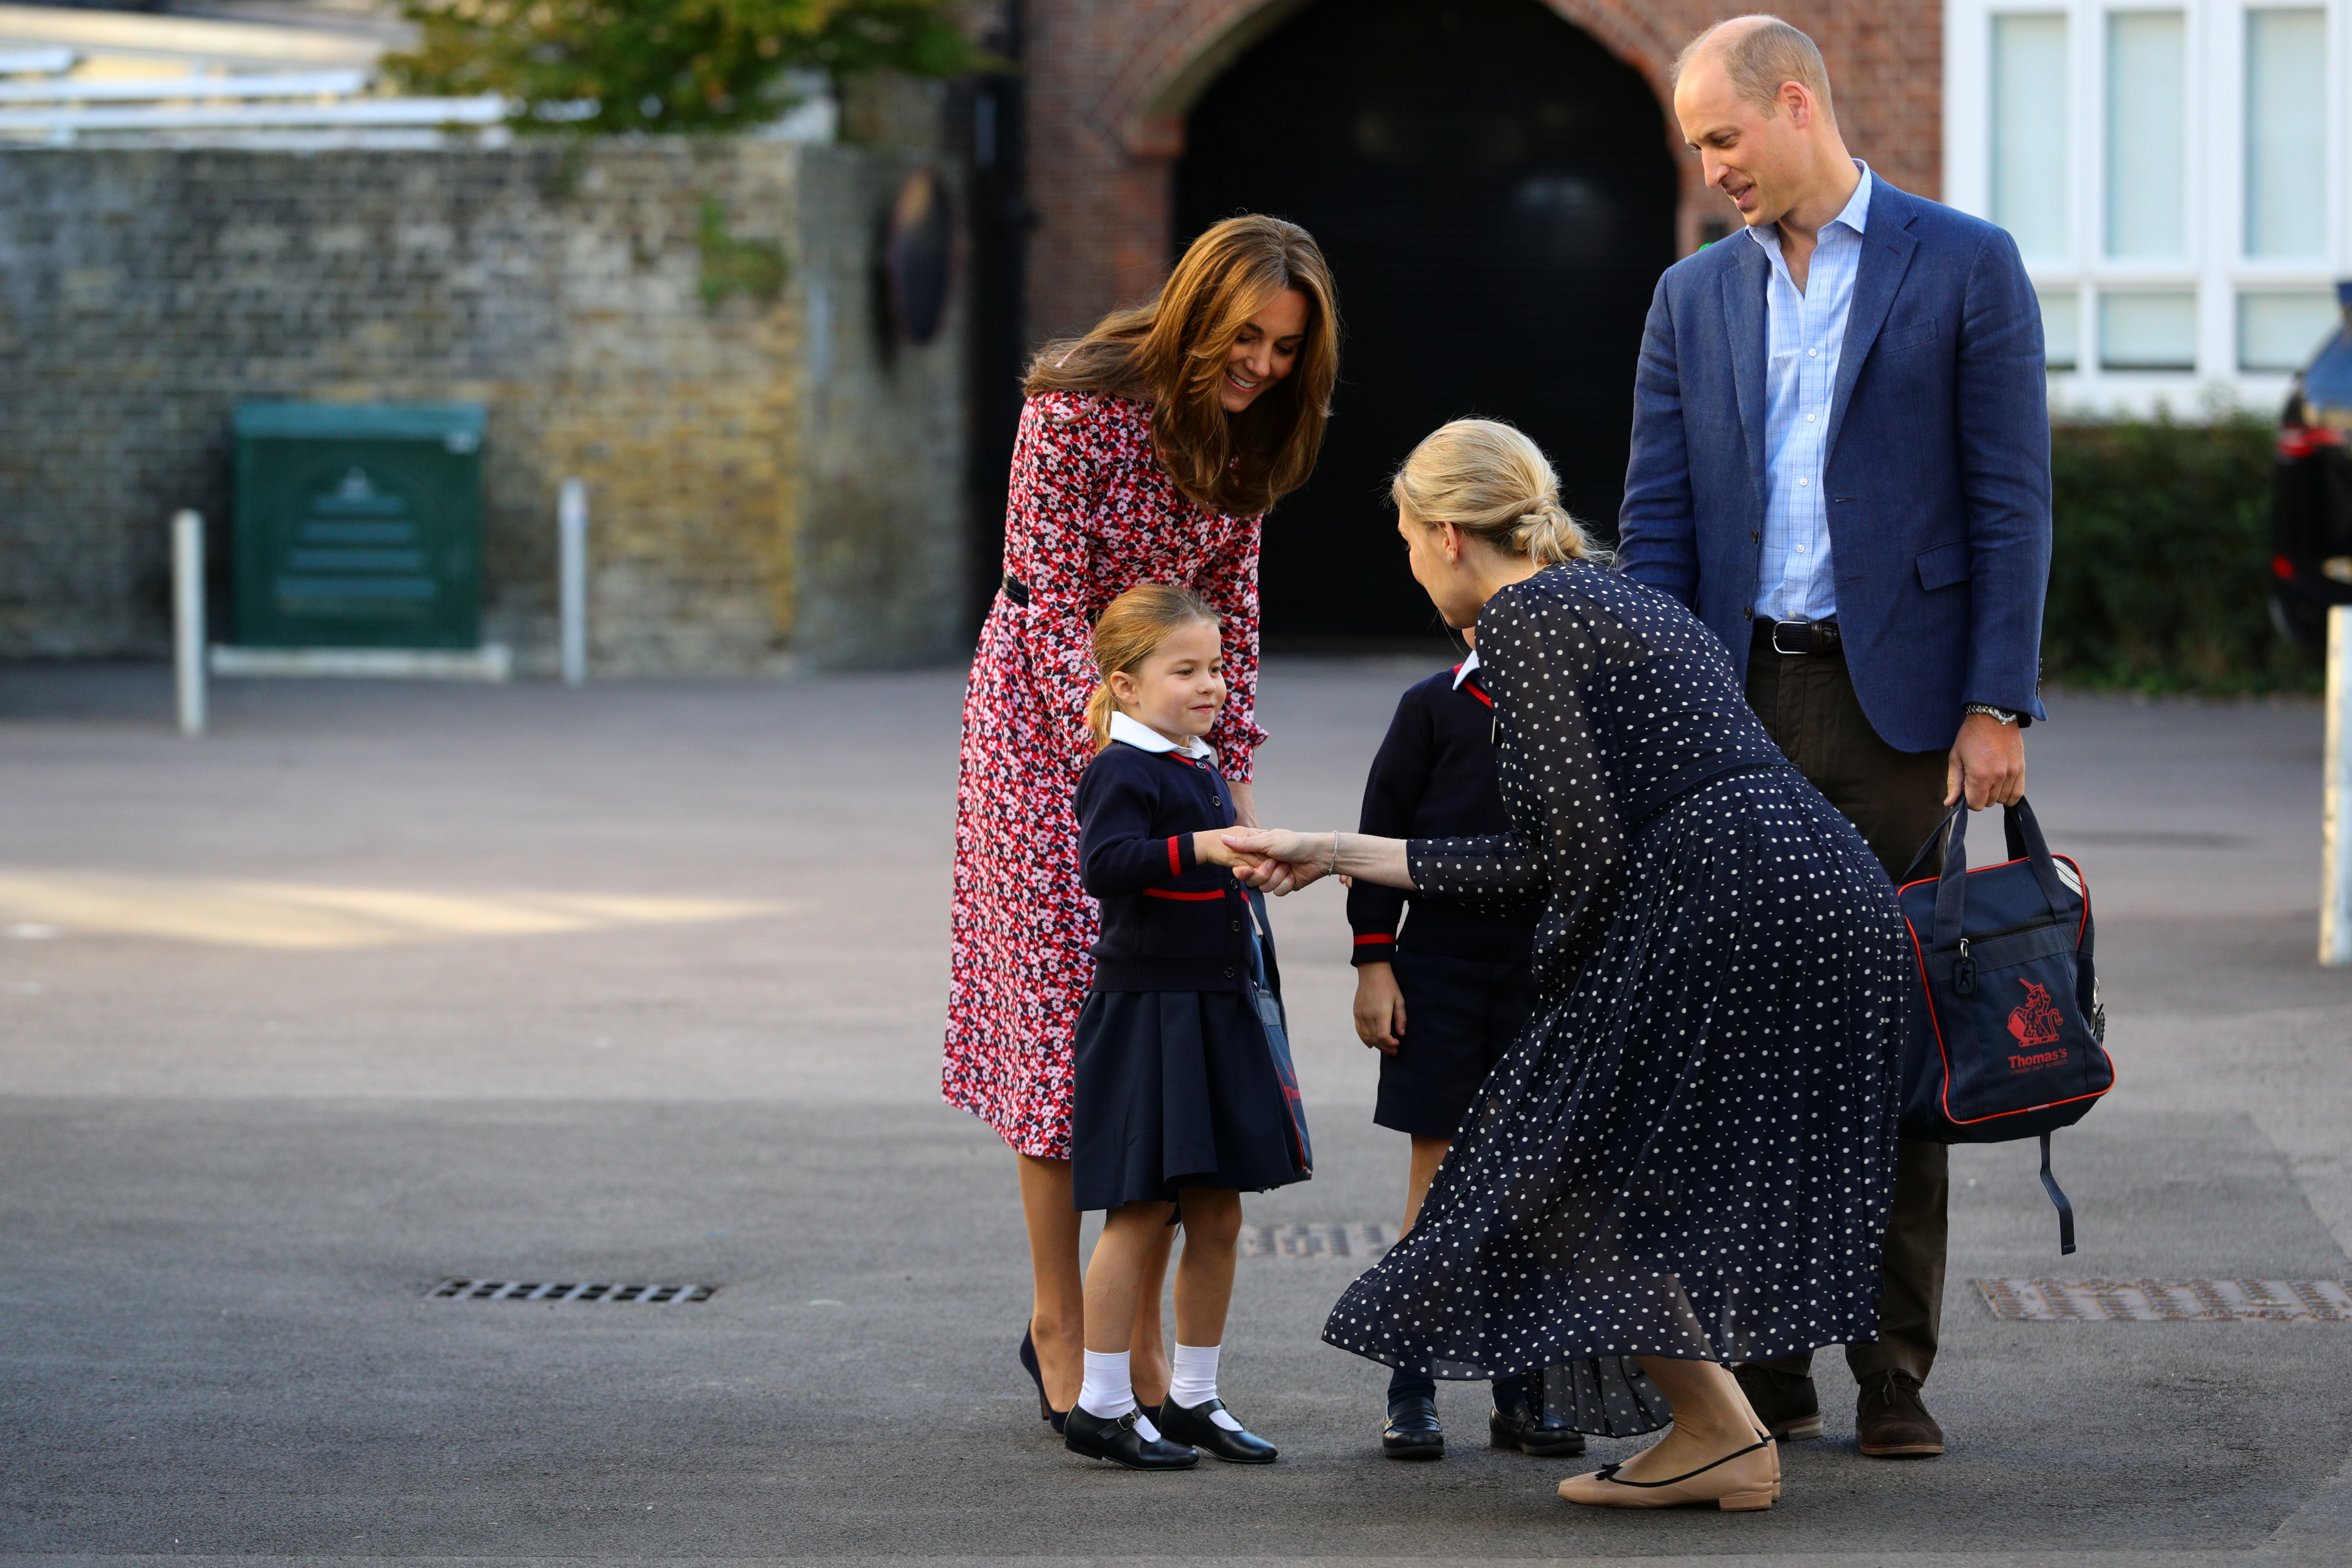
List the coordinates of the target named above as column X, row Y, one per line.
column 1172, row 352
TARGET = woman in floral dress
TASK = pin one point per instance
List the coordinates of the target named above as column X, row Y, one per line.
column 1148, row 453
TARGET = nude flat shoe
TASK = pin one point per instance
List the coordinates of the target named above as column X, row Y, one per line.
column 1741, row 1481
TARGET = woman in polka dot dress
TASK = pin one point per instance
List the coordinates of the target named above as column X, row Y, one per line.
column 1686, row 1160
column 1147, row 451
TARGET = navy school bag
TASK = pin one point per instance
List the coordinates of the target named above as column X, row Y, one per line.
column 2008, row 1039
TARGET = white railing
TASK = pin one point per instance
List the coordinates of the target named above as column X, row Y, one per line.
column 174, row 88
column 62, row 125
column 37, row 61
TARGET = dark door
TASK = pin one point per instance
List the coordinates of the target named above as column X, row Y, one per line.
column 1496, row 195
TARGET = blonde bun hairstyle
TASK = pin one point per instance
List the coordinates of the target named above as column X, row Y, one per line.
column 1490, row 481
column 1130, row 630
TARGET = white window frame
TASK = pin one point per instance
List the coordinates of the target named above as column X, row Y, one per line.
column 2215, row 268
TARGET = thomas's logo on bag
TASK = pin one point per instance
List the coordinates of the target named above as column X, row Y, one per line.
column 2037, row 1023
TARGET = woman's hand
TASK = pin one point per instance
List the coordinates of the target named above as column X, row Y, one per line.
column 1280, row 861
column 1380, row 1007
column 1244, row 805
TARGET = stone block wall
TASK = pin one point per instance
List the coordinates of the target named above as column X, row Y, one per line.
column 691, row 327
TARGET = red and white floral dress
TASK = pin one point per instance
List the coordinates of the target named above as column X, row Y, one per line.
column 1091, row 513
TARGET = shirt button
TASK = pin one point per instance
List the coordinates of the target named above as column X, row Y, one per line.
column 1229, row 974
column 1808, row 419
column 1803, row 483
column 1801, row 549
column 1812, row 353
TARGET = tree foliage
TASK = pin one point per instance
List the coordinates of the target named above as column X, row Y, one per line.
column 606, row 66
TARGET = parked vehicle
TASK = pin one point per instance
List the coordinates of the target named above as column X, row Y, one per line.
column 2311, row 521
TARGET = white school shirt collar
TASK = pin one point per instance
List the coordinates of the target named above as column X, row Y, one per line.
column 1467, row 668
column 1144, row 738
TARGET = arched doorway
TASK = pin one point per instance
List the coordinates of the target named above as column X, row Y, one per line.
column 1496, row 195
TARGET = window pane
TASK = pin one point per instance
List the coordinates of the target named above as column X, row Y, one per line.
column 2286, row 133
column 2061, row 328
column 2147, row 143
column 2279, row 332
column 2148, row 331
column 2029, row 131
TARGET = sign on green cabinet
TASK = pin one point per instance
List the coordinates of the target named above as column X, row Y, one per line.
column 359, row 525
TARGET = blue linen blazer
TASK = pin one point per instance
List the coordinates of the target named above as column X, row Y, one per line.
column 1937, row 471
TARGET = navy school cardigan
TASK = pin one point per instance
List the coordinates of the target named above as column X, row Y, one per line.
column 1433, row 777
column 1169, row 923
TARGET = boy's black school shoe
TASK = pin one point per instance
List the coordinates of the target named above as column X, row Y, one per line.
column 1526, row 1427
column 1412, row 1431
column 1117, row 1439
column 1192, row 1424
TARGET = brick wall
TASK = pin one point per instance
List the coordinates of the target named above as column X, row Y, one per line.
column 770, row 477
column 1109, row 82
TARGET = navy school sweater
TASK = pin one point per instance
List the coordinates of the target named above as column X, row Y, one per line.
column 1168, row 922
column 1433, row 777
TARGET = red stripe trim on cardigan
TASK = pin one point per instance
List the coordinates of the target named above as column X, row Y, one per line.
column 1187, row 898
column 1175, row 859
column 1375, row 941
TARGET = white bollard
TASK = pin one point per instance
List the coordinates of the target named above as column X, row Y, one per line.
column 188, row 618
column 572, row 550
column 2336, row 858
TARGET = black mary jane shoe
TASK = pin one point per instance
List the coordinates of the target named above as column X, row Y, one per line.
column 1525, row 1426
column 1117, row 1439
column 1057, row 1419
column 1192, row 1423
column 1412, row 1431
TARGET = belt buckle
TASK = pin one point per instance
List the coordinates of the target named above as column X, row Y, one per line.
column 1807, row 626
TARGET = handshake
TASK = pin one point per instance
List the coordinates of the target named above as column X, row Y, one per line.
column 1272, row 859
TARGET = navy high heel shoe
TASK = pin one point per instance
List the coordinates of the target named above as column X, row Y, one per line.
column 1045, row 1411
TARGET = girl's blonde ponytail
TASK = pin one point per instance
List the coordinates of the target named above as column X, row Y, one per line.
column 1130, row 630
column 1099, row 707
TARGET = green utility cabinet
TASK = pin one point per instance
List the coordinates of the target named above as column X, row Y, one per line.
column 358, row 525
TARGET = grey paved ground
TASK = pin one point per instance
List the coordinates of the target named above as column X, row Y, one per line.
column 642, row 983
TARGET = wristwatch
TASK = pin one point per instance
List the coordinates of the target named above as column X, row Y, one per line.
column 1998, row 715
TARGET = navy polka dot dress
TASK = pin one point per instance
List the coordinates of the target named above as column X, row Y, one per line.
column 1690, row 1152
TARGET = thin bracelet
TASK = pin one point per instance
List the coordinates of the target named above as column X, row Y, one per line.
column 1333, row 869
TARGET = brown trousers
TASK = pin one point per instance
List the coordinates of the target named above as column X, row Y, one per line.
column 1895, row 799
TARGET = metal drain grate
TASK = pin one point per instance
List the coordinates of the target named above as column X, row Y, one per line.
column 1365, row 1241
column 2170, row 1300
column 531, row 1291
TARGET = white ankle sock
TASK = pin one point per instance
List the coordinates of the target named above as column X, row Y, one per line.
column 1193, row 1382
column 1109, row 1391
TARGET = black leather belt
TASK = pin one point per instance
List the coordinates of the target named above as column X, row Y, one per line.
column 1016, row 590
column 1798, row 636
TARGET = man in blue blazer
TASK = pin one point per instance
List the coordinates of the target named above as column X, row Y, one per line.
column 1841, row 461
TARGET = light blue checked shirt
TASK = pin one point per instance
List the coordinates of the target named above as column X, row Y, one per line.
column 1805, row 333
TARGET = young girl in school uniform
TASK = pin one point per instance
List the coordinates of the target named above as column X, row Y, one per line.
column 1178, row 1104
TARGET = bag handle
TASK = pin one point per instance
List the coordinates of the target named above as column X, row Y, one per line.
column 2024, row 842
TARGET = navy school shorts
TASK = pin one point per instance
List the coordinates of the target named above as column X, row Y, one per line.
column 1460, row 1015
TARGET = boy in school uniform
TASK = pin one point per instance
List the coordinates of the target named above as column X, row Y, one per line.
column 1442, row 1000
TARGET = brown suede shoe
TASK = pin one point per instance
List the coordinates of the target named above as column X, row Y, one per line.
column 1784, row 1402
column 1890, row 1422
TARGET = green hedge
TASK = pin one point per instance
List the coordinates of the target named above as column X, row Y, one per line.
column 2159, row 580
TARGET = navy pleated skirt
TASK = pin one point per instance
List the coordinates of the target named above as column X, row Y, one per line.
column 1175, row 1088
